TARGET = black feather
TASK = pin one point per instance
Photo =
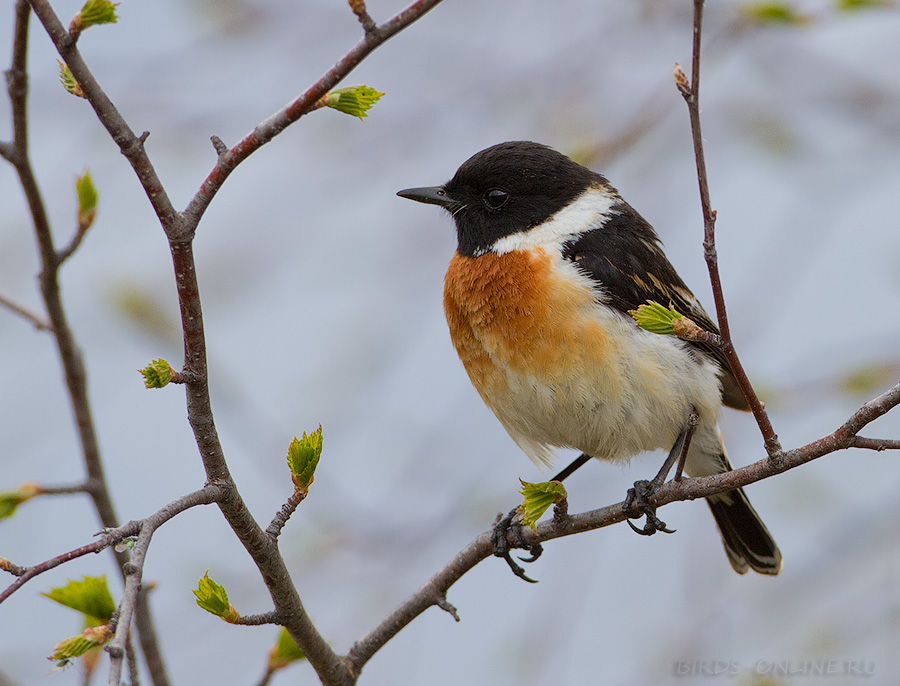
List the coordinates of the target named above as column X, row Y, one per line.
column 625, row 257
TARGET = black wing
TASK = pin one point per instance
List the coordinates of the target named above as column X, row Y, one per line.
column 640, row 272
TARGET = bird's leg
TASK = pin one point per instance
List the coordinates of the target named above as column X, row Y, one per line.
column 693, row 421
column 499, row 535
column 636, row 505
column 578, row 462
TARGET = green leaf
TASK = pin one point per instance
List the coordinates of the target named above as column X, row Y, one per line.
column 75, row 646
column 538, row 498
column 10, row 500
column 303, row 458
column 774, row 13
column 213, row 598
column 157, row 374
column 90, row 596
column 125, row 544
column 857, row 5
column 355, row 100
column 98, row 12
column 869, row 379
column 655, row 318
column 68, row 80
column 87, row 200
column 87, row 193
column 284, row 652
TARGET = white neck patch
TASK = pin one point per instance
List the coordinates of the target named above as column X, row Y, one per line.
column 582, row 214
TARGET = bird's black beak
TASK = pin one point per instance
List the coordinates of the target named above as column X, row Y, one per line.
column 431, row 195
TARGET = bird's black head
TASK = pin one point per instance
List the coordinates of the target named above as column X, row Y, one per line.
column 506, row 189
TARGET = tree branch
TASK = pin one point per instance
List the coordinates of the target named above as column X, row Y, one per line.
column 70, row 356
column 359, row 9
column 180, row 230
column 110, row 537
column 26, row 574
column 434, row 591
column 290, row 113
column 282, row 516
column 134, row 570
column 67, row 252
column 878, row 444
column 691, row 93
column 36, row 320
column 259, row 620
column 131, row 145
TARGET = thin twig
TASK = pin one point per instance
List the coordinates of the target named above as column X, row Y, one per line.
column 109, row 537
column 65, row 253
column 260, row 619
column 271, row 127
column 131, row 145
column 36, row 321
column 133, row 573
column 878, row 444
column 691, row 94
column 83, row 487
column 133, row 595
column 134, row 677
column 359, row 9
column 281, row 518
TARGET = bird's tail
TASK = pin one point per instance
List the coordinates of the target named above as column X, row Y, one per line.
column 747, row 541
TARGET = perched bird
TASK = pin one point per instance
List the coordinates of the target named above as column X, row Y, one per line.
column 550, row 259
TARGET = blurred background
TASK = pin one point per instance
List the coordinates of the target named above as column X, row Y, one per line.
column 322, row 296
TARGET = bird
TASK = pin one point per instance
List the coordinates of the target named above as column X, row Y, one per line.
column 549, row 262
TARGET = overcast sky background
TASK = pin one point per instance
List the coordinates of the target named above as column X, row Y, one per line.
column 322, row 300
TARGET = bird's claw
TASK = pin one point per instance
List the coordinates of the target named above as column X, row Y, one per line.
column 636, row 506
column 501, row 546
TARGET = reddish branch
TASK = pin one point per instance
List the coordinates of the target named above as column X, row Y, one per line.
column 110, row 537
column 691, row 93
column 271, row 127
column 134, row 570
column 70, row 356
column 25, row 313
column 180, row 229
column 434, row 592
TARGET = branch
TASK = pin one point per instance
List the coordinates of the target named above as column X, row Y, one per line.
column 65, row 253
column 878, row 444
column 262, row 548
column 359, row 9
column 691, row 93
column 434, row 591
column 110, row 537
column 69, row 354
column 38, row 323
column 271, row 127
column 26, row 574
column 131, row 145
column 133, row 598
column 259, row 620
column 83, row 487
column 282, row 516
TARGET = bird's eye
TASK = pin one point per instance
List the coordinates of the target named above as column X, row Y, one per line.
column 495, row 198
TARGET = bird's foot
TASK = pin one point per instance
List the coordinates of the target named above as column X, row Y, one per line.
column 636, row 506
column 502, row 547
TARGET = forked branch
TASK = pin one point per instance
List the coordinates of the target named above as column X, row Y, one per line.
column 690, row 90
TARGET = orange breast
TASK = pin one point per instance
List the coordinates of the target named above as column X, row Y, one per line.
column 522, row 314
